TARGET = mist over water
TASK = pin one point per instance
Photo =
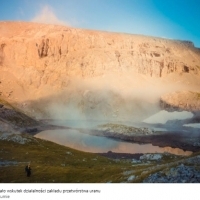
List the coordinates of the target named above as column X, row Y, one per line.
column 111, row 97
column 117, row 99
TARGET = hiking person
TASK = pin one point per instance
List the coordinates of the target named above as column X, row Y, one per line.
column 28, row 170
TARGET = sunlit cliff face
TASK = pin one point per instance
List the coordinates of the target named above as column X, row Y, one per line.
column 59, row 72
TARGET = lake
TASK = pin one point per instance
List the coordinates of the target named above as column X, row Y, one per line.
column 89, row 143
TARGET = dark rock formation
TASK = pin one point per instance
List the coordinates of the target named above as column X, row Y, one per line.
column 11, row 119
column 179, row 174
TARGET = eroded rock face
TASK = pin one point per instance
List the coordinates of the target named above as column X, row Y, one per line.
column 43, row 49
column 39, row 61
column 182, row 100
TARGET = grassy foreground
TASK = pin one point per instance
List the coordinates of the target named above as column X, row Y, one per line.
column 53, row 163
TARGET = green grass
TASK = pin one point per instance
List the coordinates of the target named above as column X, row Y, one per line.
column 51, row 162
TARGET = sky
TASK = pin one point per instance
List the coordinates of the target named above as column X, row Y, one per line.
column 172, row 19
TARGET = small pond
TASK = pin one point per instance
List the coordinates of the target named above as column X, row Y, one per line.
column 96, row 144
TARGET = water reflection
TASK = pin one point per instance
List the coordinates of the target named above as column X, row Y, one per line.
column 89, row 143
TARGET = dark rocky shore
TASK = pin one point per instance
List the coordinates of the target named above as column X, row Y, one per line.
column 187, row 139
column 114, row 155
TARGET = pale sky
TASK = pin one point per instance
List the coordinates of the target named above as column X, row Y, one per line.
column 173, row 19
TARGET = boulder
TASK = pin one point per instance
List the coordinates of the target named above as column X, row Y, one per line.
column 151, row 157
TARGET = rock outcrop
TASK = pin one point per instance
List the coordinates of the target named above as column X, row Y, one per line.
column 89, row 68
column 67, row 51
column 151, row 157
column 12, row 121
column 182, row 100
column 179, row 174
column 124, row 130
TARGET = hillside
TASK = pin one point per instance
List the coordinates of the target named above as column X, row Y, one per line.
column 182, row 100
column 103, row 84
column 61, row 72
column 72, row 166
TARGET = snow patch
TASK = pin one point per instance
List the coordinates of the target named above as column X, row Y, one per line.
column 193, row 125
column 163, row 116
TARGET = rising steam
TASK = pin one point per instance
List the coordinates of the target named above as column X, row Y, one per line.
column 47, row 15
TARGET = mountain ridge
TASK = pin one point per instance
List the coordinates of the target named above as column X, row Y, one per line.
column 40, row 60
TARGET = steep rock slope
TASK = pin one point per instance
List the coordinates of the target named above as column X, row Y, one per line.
column 91, row 71
column 12, row 121
column 184, row 100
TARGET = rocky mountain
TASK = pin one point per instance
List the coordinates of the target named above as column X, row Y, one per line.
column 13, row 121
column 181, row 100
column 63, row 72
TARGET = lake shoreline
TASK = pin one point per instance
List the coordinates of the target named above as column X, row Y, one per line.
column 173, row 139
